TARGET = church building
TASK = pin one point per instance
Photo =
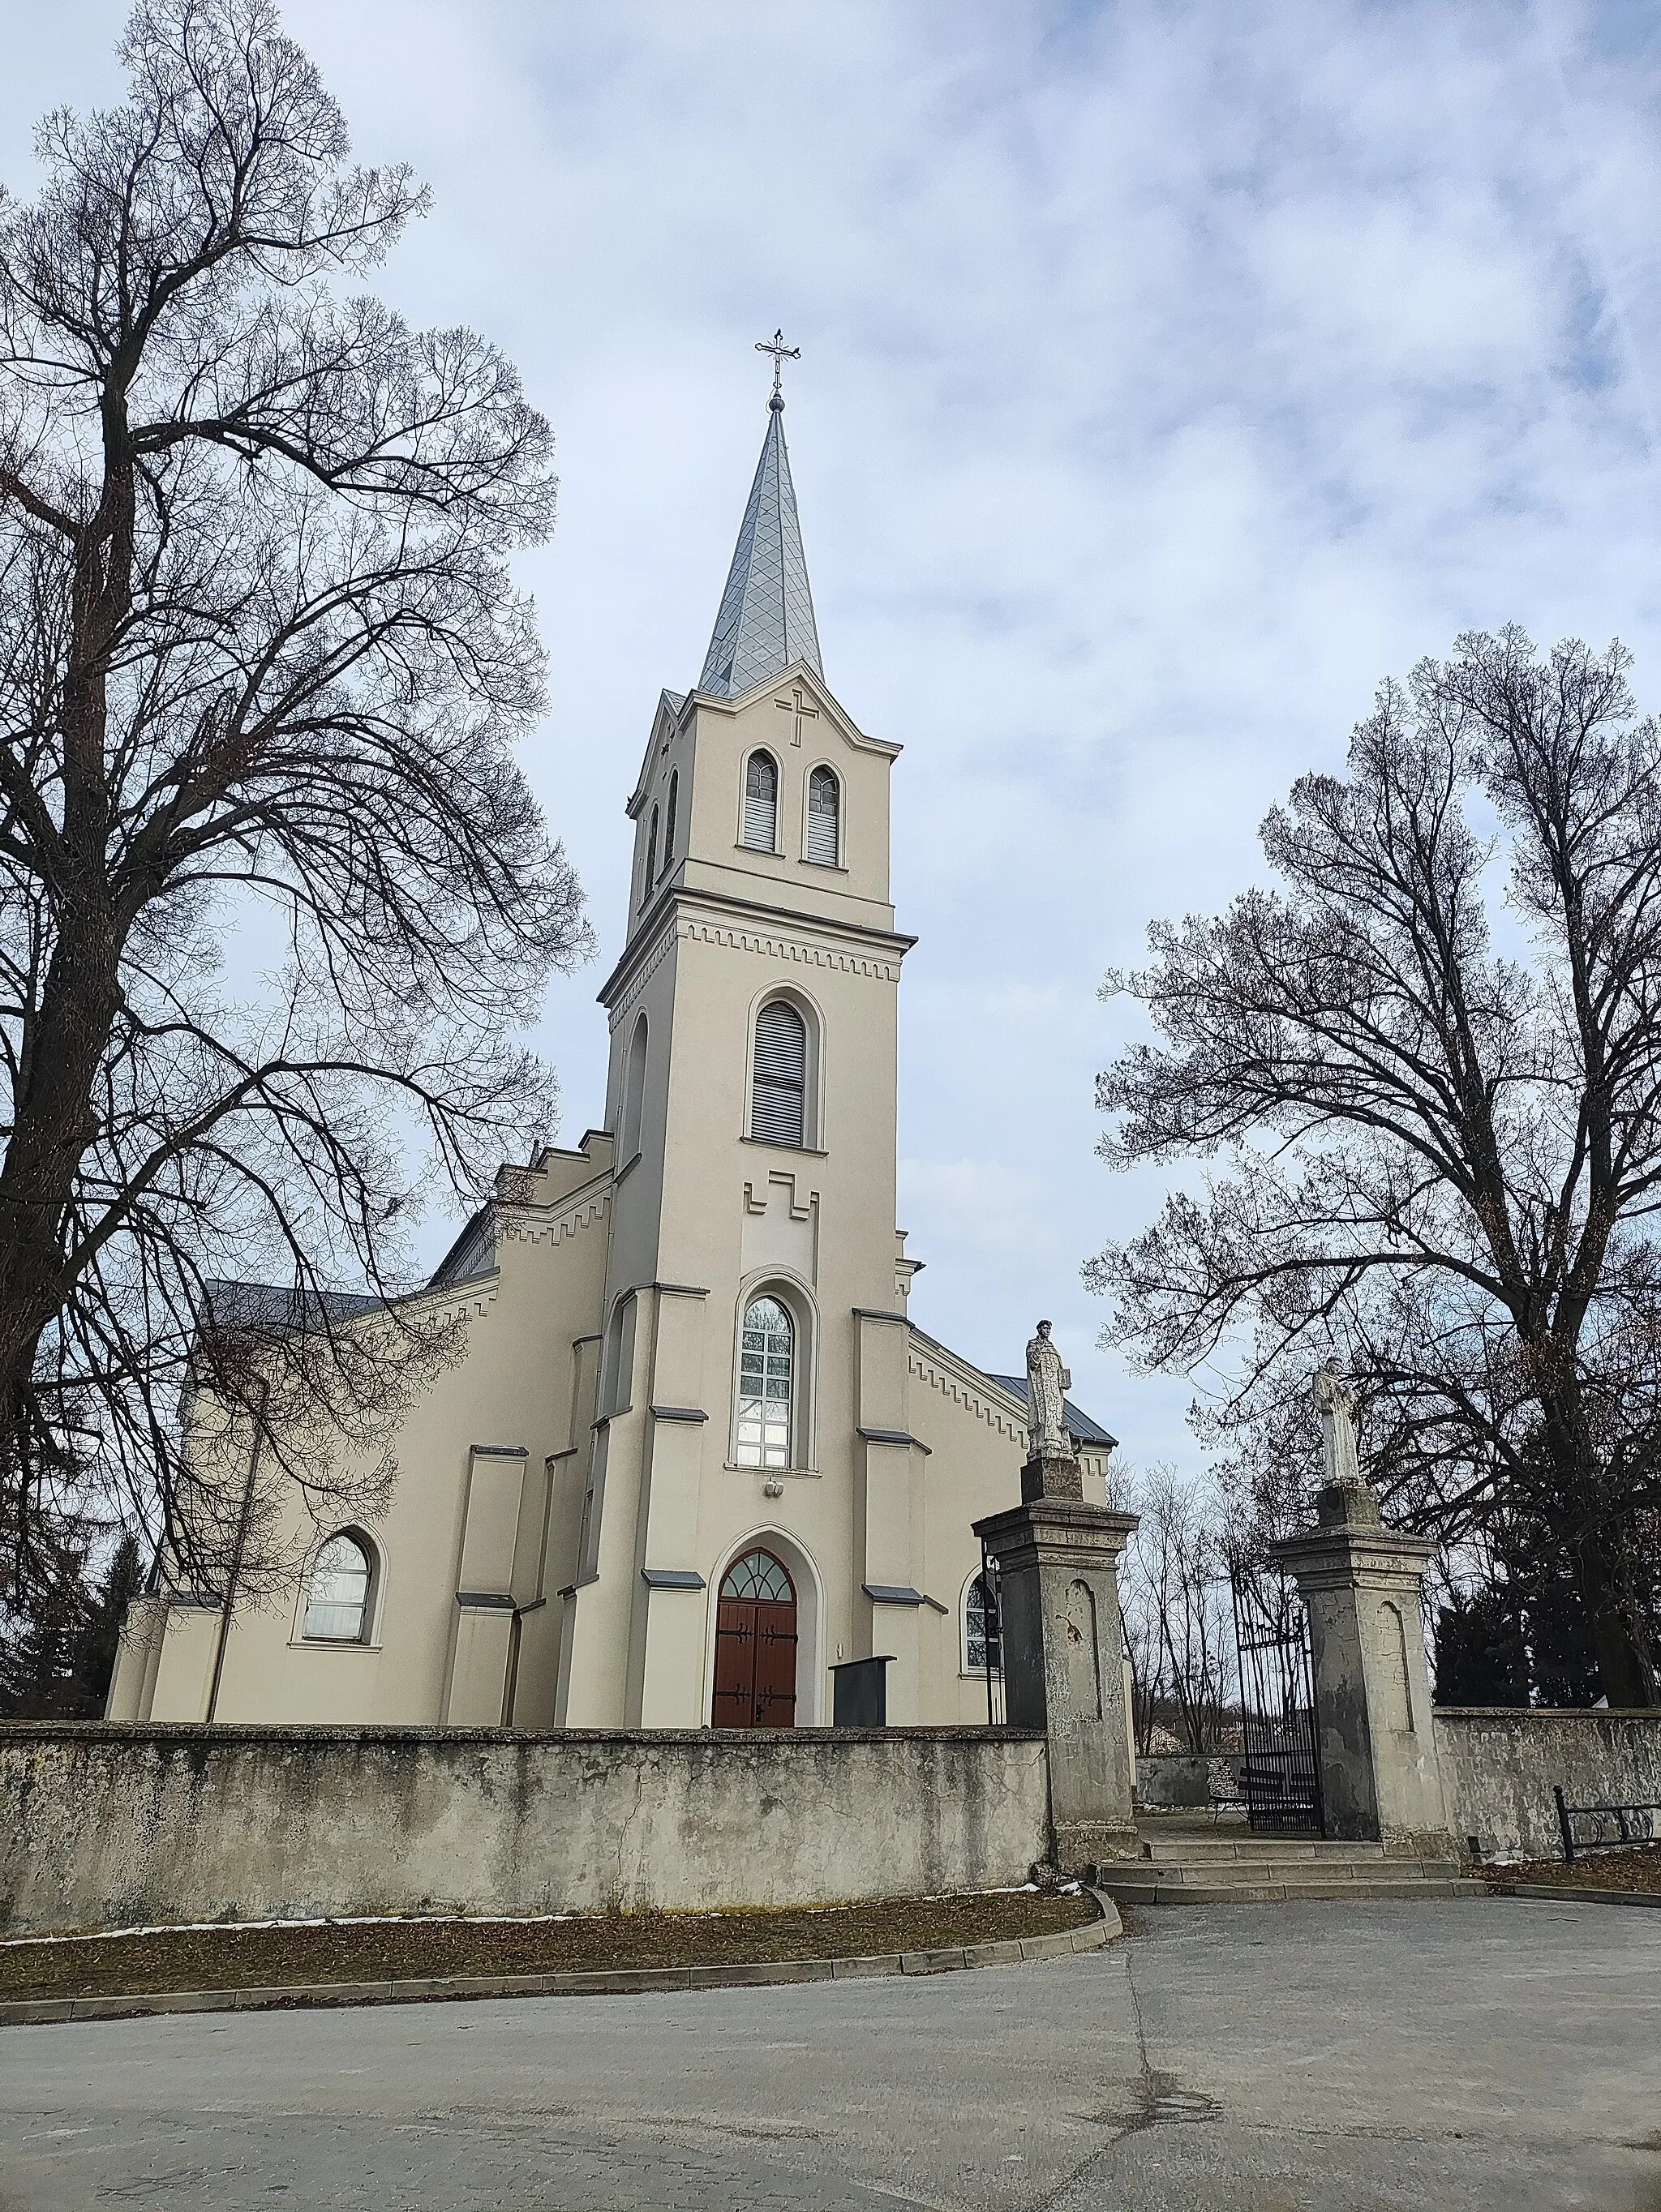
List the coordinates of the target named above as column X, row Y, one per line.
column 695, row 1454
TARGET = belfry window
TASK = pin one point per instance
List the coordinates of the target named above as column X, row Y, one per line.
column 651, row 860
column 778, row 1091
column 669, row 821
column 338, row 1592
column 824, row 818
column 761, row 803
column 767, row 1361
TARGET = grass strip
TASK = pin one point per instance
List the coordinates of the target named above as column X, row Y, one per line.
column 1638, row 1867
column 235, row 1958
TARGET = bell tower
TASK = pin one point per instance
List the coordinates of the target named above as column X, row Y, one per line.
column 753, row 1357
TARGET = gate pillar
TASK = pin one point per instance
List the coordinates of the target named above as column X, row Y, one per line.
column 1058, row 1604
column 1359, row 1582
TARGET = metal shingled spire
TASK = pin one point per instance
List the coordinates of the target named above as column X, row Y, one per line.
column 766, row 617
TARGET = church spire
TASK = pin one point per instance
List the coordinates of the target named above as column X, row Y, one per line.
column 766, row 616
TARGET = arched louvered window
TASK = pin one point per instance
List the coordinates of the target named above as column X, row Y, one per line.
column 651, row 860
column 767, row 1361
column 761, row 803
column 338, row 1592
column 669, row 821
column 778, row 1091
column 824, row 818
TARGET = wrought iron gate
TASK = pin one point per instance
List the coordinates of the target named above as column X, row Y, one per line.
column 983, row 1636
column 1282, row 1763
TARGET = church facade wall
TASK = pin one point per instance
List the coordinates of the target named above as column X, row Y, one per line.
column 572, row 1492
column 460, row 1623
column 116, row 1826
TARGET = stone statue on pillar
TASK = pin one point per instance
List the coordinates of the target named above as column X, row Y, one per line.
column 1046, row 1384
column 1052, row 1465
column 1345, row 1498
column 1335, row 1394
column 1058, row 1604
column 1361, row 1585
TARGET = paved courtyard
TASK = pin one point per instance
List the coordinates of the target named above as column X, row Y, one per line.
column 1297, row 2058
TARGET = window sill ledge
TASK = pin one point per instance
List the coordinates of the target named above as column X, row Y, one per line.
column 331, row 1643
column 769, row 1145
column 776, row 1473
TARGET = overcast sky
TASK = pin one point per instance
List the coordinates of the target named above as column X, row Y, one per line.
column 1170, row 374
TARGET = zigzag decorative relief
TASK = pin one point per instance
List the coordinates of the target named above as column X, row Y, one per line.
column 537, row 1225
column 808, row 954
column 971, row 1401
column 739, row 939
column 643, row 975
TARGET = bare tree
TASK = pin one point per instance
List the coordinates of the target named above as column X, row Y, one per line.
column 1174, row 1594
column 261, row 666
column 1436, row 1124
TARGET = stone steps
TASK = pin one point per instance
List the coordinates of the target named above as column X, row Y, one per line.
column 1188, row 1869
column 1143, row 1890
column 1270, row 1867
column 1190, row 1849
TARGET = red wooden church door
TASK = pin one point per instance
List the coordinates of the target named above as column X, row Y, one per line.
column 756, row 1645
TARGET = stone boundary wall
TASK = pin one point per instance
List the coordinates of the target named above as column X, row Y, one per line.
column 1168, row 1781
column 1500, row 1764
column 115, row 1825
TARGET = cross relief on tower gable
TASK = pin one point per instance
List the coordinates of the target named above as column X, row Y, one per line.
column 797, row 704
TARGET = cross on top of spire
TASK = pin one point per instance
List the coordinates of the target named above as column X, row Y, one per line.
column 781, row 354
column 765, row 622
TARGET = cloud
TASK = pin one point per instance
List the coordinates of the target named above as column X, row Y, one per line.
column 1171, row 373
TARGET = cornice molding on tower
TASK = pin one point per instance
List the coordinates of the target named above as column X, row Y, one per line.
column 778, row 945
column 650, row 954
column 723, row 922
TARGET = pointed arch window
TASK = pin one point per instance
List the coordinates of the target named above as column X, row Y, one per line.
column 824, row 818
column 669, row 820
column 761, row 803
column 767, row 1371
column 651, row 860
column 778, row 1091
column 338, row 1592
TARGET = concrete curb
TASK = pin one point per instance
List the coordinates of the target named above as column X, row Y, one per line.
column 28, row 2012
column 1562, row 1894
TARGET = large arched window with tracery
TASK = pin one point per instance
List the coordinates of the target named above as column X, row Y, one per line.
column 767, row 1377
column 338, row 1592
column 983, row 1630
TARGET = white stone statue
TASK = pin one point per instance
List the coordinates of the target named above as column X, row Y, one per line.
column 1335, row 1396
column 1047, row 1384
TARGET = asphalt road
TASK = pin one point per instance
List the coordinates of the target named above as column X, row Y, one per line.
column 1488, row 2056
